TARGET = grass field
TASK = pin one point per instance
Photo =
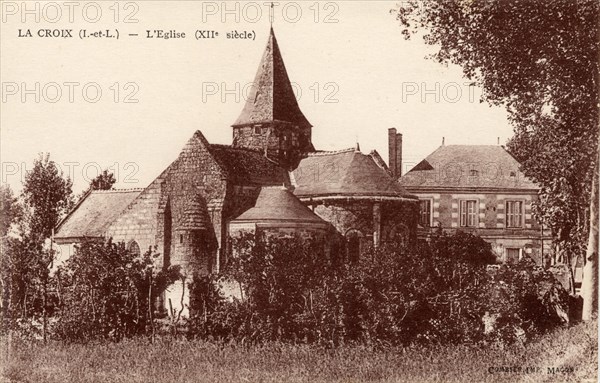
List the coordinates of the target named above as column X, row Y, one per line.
column 573, row 352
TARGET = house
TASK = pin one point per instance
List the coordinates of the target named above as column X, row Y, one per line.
column 479, row 189
column 187, row 212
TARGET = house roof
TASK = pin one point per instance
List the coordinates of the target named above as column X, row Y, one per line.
column 271, row 97
column 468, row 166
column 344, row 173
column 92, row 216
column 248, row 166
column 278, row 204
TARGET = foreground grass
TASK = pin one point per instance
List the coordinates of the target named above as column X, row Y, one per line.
column 572, row 351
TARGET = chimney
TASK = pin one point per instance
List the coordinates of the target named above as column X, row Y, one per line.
column 395, row 152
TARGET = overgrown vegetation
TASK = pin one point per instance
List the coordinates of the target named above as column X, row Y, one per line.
column 105, row 292
column 294, row 290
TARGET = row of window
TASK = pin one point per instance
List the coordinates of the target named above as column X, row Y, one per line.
column 469, row 212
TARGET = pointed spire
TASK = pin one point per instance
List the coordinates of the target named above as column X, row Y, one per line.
column 272, row 97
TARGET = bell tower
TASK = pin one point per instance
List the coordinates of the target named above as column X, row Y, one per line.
column 271, row 120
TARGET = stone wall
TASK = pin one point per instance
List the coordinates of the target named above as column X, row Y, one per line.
column 193, row 184
column 283, row 142
column 360, row 216
column 139, row 221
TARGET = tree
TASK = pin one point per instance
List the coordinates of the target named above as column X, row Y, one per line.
column 540, row 60
column 10, row 213
column 589, row 289
column 108, row 292
column 10, row 210
column 104, row 181
column 48, row 195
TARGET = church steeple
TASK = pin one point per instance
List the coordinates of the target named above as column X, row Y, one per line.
column 271, row 120
column 272, row 97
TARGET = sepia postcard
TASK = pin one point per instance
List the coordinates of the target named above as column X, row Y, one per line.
column 299, row 191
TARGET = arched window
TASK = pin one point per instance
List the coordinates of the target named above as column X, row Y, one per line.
column 353, row 239
column 134, row 249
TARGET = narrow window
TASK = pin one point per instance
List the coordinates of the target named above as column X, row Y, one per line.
column 514, row 213
column 134, row 249
column 180, row 238
column 425, row 212
column 468, row 213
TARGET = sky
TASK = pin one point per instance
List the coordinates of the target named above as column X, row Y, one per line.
column 354, row 73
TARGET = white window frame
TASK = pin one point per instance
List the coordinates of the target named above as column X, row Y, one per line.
column 466, row 214
column 430, row 200
column 508, row 213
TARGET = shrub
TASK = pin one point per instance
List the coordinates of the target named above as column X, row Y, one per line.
column 107, row 292
column 295, row 291
column 525, row 300
column 462, row 246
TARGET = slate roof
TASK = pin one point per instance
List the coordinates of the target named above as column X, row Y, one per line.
column 195, row 214
column 92, row 216
column 468, row 166
column 278, row 204
column 343, row 173
column 247, row 166
column 272, row 97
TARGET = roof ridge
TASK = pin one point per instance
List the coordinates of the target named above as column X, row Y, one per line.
column 129, row 190
column 225, row 146
column 280, row 187
column 330, row 152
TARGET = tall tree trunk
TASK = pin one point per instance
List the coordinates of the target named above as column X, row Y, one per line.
column 589, row 287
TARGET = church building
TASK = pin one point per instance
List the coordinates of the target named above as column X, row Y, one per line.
column 188, row 210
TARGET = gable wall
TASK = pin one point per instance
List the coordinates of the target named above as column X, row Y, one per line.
column 195, row 176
